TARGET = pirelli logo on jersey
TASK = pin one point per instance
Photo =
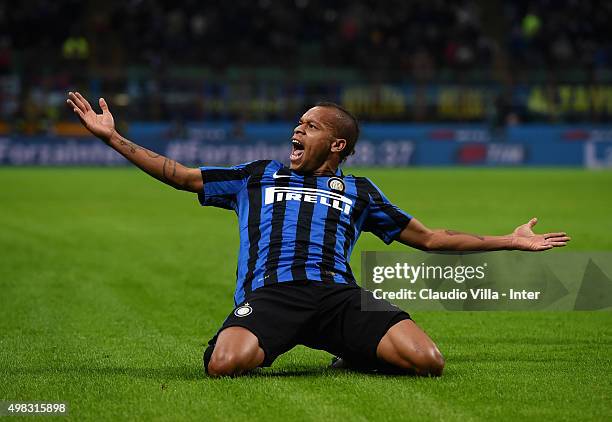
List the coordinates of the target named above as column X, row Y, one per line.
column 330, row 199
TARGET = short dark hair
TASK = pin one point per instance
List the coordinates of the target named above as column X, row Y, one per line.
column 346, row 127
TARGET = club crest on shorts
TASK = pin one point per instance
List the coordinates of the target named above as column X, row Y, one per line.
column 243, row 310
column 335, row 183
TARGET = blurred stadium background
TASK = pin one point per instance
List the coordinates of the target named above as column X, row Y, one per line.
column 435, row 82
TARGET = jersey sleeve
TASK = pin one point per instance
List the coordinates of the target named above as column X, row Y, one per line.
column 222, row 185
column 384, row 219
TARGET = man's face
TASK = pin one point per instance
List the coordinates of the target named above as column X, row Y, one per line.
column 312, row 139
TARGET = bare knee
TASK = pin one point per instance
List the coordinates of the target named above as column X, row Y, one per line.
column 423, row 362
column 428, row 362
column 226, row 364
column 406, row 346
column 237, row 350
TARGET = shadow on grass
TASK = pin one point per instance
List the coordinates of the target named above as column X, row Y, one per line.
column 325, row 371
column 293, row 371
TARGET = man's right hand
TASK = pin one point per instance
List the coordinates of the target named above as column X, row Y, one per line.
column 154, row 164
column 100, row 125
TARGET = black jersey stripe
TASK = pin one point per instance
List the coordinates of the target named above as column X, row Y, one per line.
column 224, row 175
column 276, row 235
column 361, row 203
column 254, row 220
column 328, row 268
column 344, row 229
column 302, row 237
column 398, row 218
column 222, row 201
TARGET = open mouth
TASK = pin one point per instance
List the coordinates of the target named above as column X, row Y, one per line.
column 297, row 150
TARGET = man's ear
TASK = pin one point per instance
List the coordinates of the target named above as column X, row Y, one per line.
column 338, row 144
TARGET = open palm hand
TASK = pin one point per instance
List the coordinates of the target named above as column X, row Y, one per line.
column 525, row 239
column 100, row 125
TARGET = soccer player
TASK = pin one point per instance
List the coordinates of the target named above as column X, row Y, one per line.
column 298, row 226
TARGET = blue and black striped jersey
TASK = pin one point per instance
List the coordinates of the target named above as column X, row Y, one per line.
column 297, row 227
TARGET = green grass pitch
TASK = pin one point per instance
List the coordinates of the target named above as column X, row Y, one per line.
column 111, row 283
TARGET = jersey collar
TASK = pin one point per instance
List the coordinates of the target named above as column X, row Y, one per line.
column 287, row 171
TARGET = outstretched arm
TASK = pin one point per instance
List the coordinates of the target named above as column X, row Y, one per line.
column 522, row 238
column 156, row 165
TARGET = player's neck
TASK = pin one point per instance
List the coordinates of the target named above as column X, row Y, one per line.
column 326, row 169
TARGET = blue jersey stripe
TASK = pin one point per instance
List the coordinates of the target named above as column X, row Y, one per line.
column 280, row 233
column 242, row 268
column 345, row 231
column 265, row 229
column 291, row 226
column 303, row 230
column 317, row 231
column 250, row 249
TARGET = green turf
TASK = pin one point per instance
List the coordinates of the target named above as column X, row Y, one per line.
column 111, row 283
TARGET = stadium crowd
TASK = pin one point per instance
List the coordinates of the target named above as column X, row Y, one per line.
column 89, row 44
column 330, row 32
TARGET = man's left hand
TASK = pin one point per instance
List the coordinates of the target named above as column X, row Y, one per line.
column 524, row 239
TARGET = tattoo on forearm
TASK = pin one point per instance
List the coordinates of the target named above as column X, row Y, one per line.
column 169, row 177
column 164, row 169
column 127, row 143
column 168, row 170
column 133, row 147
column 455, row 233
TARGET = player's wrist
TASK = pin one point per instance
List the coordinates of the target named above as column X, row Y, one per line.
column 513, row 242
column 518, row 243
column 108, row 138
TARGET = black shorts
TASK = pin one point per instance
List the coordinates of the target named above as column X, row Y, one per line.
column 324, row 316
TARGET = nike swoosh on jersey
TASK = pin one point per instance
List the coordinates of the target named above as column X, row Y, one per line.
column 276, row 175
